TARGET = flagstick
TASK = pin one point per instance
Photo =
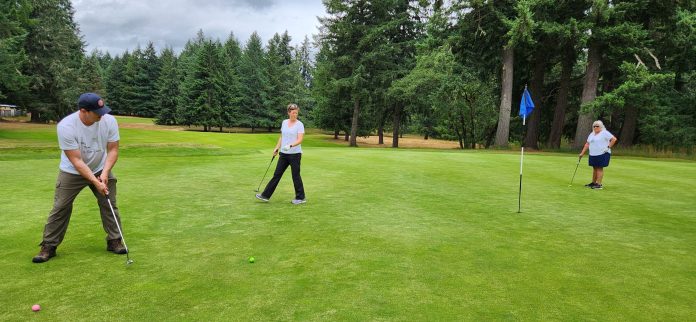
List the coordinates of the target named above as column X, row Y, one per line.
column 519, row 195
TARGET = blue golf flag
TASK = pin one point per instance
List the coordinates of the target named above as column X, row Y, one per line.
column 526, row 105
column 526, row 108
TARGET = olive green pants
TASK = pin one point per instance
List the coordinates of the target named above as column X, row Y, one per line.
column 68, row 186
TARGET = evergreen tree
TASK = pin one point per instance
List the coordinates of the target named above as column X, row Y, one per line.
column 378, row 69
column 167, row 89
column 233, row 52
column 90, row 76
column 141, row 73
column 394, row 59
column 131, row 82
column 149, row 73
column 276, row 75
column 253, row 112
column 285, row 82
column 567, row 31
column 346, row 30
column 329, row 112
column 105, row 61
column 438, row 33
column 483, row 26
column 459, row 100
column 205, row 86
column 115, row 83
column 232, row 55
column 615, row 36
column 14, row 22
column 541, row 57
column 186, row 65
column 55, row 52
column 303, row 58
column 642, row 98
column 300, row 81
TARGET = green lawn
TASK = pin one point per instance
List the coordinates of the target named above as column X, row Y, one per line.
column 396, row 235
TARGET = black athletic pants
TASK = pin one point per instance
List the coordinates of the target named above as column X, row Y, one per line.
column 285, row 160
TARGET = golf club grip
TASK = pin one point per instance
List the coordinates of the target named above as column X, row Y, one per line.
column 107, row 188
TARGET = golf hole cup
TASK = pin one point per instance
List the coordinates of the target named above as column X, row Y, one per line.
column 36, row 308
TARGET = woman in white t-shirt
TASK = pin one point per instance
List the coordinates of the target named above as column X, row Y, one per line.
column 599, row 142
column 291, row 136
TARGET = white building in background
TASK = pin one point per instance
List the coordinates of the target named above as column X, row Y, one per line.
column 7, row 110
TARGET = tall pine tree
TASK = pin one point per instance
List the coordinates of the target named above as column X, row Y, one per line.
column 254, row 112
column 55, row 51
column 14, row 22
column 167, row 89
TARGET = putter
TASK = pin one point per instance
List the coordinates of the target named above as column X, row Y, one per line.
column 264, row 175
column 574, row 172
column 120, row 232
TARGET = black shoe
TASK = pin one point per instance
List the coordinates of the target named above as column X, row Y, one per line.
column 116, row 246
column 590, row 185
column 597, row 186
column 45, row 254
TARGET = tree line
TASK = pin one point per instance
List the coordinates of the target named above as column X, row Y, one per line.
column 443, row 69
column 211, row 84
column 456, row 69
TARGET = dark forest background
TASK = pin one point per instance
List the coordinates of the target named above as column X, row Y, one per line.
column 441, row 69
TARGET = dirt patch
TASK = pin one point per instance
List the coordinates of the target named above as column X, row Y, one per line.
column 408, row 141
column 152, row 126
column 404, row 142
column 146, row 126
column 14, row 125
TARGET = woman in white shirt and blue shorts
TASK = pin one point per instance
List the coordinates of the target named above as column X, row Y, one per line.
column 599, row 142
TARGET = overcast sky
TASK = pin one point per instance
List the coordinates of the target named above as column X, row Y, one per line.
column 119, row 25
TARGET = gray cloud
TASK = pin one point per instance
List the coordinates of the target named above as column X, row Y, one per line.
column 119, row 25
column 255, row 4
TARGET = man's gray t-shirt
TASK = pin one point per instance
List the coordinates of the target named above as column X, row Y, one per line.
column 90, row 140
column 289, row 135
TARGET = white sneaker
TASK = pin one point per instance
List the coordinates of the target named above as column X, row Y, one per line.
column 298, row 201
column 261, row 197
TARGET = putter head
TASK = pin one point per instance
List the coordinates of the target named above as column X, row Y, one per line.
column 129, row 262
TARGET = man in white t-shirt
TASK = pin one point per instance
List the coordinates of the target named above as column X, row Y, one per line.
column 88, row 139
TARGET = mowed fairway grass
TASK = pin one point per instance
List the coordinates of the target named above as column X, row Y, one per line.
column 387, row 234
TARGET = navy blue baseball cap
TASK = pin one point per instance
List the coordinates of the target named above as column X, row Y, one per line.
column 93, row 102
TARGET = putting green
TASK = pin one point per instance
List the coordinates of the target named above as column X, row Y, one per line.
column 387, row 234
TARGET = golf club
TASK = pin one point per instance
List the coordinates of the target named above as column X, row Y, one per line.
column 574, row 172
column 120, row 232
column 264, row 175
